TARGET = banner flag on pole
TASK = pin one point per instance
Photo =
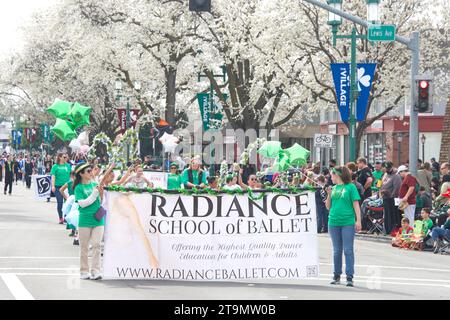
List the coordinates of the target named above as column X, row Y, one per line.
column 341, row 78
column 366, row 73
column 211, row 117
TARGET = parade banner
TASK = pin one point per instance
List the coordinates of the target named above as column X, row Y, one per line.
column 42, row 186
column 210, row 237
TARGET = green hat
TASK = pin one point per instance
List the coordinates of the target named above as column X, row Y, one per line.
column 174, row 164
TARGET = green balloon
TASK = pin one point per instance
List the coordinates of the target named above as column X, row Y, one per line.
column 64, row 130
column 270, row 149
column 60, row 109
column 80, row 115
column 298, row 156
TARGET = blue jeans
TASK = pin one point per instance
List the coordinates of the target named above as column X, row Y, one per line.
column 342, row 239
column 60, row 200
column 439, row 233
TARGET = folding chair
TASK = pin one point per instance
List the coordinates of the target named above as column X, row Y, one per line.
column 375, row 216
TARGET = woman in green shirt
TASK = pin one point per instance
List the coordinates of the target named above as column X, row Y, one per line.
column 174, row 178
column 88, row 196
column 60, row 176
column 344, row 219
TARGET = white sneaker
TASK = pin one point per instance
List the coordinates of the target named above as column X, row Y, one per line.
column 97, row 276
column 85, row 276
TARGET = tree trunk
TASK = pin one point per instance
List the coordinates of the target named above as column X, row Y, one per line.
column 171, row 90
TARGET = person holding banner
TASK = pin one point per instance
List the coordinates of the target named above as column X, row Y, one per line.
column 343, row 205
column 60, row 176
column 194, row 177
column 90, row 230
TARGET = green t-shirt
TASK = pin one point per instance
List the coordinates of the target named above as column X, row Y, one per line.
column 377, row 175
column 426, row 225
column 61, row 173
column 341, row 212
column 70, row 188
column 185, row 177
column 173, row 181
column 87, row 220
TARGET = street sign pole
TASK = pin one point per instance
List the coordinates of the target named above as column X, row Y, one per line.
column 354, row 98
column 414, row 113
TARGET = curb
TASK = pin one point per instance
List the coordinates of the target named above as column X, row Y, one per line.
column 367, row 237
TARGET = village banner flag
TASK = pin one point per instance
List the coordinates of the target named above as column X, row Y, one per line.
column 210, row 237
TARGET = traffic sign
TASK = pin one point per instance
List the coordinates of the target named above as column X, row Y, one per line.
column 381, row 33
column 323, row 140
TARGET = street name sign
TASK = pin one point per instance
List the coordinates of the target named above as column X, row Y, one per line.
column 381, row 33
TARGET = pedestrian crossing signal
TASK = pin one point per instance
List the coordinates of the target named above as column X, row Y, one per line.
column 200, row 5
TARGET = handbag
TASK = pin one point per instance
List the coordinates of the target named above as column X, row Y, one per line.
column 101, row 212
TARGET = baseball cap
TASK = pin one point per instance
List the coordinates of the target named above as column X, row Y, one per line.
column 402, row 168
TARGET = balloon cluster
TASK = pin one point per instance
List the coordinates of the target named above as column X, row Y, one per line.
column 284, row 158
column 69, row 116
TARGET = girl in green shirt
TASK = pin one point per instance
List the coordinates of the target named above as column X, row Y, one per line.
column 60, row 176
column 174, row 178
column 90, row 231
column 344, row 219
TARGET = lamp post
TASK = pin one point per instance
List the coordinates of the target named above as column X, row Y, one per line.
column 119, row 95
column 373, row 11
column 423, row 139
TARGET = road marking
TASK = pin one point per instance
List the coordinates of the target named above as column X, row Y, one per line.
column 46, row 269
column 16, row 287
column 12, row 258
column 389, row 278
column 392, row 267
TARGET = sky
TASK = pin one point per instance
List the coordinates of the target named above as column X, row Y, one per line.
column 13, row 13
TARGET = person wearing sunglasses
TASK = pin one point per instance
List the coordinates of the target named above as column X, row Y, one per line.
column 344, row 219
column 90, row 230
column 174, row 178
column 60, row 176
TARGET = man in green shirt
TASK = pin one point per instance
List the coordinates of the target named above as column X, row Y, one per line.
column 194, row 177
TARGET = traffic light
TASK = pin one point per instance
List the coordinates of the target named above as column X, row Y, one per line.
column 200, row 5
column 424, row 101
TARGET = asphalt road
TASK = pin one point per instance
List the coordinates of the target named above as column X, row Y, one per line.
column 38, row 261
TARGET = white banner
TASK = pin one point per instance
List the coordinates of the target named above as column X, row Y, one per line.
column 42, row 186
column 210, row 238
